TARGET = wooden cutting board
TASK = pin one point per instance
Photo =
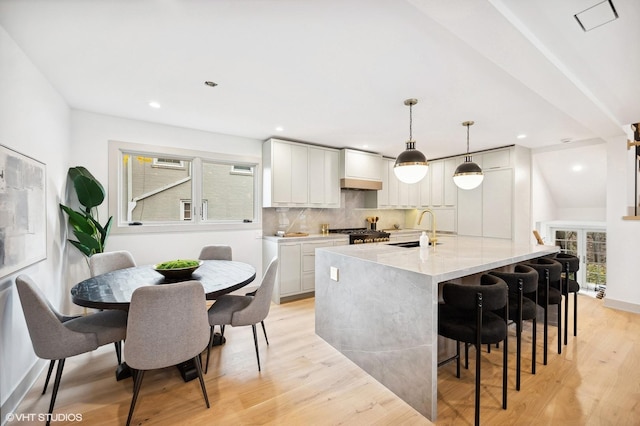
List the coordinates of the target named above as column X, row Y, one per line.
column 296, row 234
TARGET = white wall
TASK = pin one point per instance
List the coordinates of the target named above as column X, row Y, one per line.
column 582, row 213
column 543, row 206
column 34, row 120
column 90, row 134
column 623, row 236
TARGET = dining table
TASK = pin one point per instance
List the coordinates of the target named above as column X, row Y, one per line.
column 113, row 290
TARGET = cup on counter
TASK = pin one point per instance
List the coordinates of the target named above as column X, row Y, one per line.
column 324, row 228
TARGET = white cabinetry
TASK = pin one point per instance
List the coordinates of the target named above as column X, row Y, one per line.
column 443, row 189
column 309, row 264
column 360, row 165
column 296, row 268
column 324, row 183
column 299, row 175
column 289, row 268
column 394, row 194
column 500, row 206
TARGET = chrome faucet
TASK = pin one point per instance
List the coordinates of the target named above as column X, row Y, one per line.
column 433, row 224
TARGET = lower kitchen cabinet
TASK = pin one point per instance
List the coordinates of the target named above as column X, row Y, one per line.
column 296, row 268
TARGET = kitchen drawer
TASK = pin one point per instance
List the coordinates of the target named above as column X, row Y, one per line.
column 310, row 247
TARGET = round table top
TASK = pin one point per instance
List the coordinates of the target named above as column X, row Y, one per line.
column 113, row 290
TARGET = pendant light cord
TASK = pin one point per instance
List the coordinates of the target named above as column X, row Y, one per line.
column 410, row 122
column 467, row 139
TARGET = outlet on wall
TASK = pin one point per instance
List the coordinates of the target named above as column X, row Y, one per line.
column 334, row 273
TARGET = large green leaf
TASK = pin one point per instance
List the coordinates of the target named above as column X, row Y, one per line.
column 89, row 191
column 83, row 249
column 79, row 221
column 88, row 240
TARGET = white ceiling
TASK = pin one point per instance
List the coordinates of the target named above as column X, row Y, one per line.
column 336, row 72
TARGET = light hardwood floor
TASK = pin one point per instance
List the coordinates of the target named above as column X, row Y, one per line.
column 304, row 381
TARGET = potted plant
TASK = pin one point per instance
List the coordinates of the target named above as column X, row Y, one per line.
column 91, row 235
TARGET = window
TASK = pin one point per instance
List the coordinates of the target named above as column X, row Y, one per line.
column 591, row 248
column 163, row 186
column 185, row 210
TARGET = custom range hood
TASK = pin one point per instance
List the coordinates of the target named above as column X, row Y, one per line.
column 360, row 170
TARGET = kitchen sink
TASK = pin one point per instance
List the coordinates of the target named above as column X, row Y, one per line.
column 410, row 244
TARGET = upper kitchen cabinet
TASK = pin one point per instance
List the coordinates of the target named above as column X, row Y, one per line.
column 500, row 206
column 324, row 180
column 299, row 175
column 443, row 191
column 360, row 170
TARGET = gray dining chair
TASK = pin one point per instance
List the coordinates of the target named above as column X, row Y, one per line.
column 216, row 252
column 62, row 318
column 102, row 263
column 245, row 310
column 224, row 252
column 167, row 325
column 55, row 339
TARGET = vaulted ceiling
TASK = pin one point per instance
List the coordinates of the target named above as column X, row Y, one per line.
column 336, row 72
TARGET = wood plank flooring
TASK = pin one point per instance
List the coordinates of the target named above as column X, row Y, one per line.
column 304, row 381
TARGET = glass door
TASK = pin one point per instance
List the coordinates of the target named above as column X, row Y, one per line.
column 590, row 246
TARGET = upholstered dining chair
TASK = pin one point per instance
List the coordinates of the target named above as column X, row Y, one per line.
column 522, row 282
column 468, row 315
column 58, row 340
column 167, row 325
column 101, row 263
column 549, row 294
column 216, row 252
column 52, row 363
column 245, row 310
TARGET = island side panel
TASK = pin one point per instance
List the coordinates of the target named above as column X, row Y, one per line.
column 384, row 319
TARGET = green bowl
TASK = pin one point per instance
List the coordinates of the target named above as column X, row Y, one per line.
column 176, row 273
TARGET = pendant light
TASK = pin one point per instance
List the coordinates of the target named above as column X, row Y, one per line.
column 411, row 165
column 468, row 175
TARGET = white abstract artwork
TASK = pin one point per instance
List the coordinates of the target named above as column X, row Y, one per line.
column 23, row 226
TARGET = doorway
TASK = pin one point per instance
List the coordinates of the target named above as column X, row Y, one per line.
column 590, row 246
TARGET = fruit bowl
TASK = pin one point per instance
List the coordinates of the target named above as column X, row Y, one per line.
column 175, row 269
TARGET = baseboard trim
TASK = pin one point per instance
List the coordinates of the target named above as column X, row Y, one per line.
column 15, row 398
column 621, row 305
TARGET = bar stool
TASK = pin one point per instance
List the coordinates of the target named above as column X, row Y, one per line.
column 468, row 315
column 549, row 293
column 522, row 281
column 570, row 266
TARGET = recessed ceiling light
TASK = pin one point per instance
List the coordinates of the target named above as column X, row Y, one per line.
column 210, row 83
column 279, row 129
column 521, row 136
column 154, row 104
column 576, row 168
column 365, row 146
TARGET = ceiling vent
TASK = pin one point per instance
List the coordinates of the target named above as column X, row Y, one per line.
column 596, row 15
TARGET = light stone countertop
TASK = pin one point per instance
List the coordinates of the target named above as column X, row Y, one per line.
column 454, row 256
column 310, row 237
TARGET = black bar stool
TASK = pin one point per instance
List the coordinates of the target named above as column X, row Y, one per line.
column 549, row 293
column 523, row 281
column 468, row 315
column 570, row 266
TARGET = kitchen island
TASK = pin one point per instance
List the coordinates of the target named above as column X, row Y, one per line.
column 378, row 304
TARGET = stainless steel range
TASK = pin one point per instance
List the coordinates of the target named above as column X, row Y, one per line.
column 362, row 235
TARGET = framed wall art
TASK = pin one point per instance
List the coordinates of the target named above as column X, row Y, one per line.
column 23, row 213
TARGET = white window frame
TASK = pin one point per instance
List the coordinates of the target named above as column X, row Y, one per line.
column 196, row 224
